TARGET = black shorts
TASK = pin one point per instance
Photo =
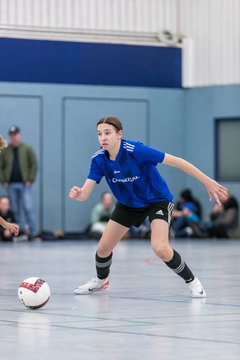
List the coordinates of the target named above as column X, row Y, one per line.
column 128, row 216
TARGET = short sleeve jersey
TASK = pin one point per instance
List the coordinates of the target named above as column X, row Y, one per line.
column 133, row 176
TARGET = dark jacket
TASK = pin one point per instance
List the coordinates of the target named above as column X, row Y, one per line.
column 225, row 223
column 27, row 163
column 229, row 216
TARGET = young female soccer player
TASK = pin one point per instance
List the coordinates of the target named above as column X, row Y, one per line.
column 130, row 171
column 14, row 228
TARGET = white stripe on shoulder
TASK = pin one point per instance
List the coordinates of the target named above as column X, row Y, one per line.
column 128, row 144
column 128, row 149
column 99, row 152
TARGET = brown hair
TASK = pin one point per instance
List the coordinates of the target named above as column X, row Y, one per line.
column 111, row 120
column 3, row 143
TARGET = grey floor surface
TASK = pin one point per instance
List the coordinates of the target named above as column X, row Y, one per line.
column 146, row 314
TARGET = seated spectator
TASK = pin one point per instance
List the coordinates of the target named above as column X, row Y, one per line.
column 182, row 224
column 223, row 220
column 101, row 213
column 141, row 232
column 8, row 216
column 187, row 196
column 9, row 227
column 188, row 211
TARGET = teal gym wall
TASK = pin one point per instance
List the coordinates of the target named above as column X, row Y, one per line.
column 60, row 122
column 202, row 107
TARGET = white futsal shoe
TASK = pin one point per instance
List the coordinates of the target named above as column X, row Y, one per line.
column 197, row 289
column 95, row 284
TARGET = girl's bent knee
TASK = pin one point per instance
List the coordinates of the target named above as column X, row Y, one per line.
column 165, row 252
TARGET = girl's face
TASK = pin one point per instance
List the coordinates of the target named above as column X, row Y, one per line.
column 108, row 136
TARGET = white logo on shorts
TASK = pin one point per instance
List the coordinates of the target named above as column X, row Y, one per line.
column 159, row 212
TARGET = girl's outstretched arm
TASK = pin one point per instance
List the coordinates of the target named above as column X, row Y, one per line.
column 214, row 189
column 83, row 193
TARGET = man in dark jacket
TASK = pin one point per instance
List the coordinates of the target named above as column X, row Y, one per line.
column 18, row 169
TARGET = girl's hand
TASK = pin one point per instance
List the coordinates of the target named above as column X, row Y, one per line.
column 75, row 193
column 216, row 191
column 83, row 193
column 13, row 228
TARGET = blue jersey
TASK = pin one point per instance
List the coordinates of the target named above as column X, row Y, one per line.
column 132, row 176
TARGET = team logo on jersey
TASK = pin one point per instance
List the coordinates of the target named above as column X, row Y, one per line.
column 129, row 179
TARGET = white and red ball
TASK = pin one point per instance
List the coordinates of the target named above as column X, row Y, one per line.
column 34, row 293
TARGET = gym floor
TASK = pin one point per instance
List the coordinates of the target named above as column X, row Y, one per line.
column 146, row 314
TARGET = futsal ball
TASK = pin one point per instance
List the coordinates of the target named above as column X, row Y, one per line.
column 34, row 293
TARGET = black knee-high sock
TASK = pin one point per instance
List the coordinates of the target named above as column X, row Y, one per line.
column 103, row 266
column 180, row 267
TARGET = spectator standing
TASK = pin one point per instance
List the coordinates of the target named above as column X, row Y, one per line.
column 18, row 169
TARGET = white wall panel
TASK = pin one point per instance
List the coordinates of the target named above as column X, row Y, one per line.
column 137, row 15
column 212, row 25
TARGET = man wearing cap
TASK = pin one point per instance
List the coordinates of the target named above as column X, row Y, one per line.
column 18, row 169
